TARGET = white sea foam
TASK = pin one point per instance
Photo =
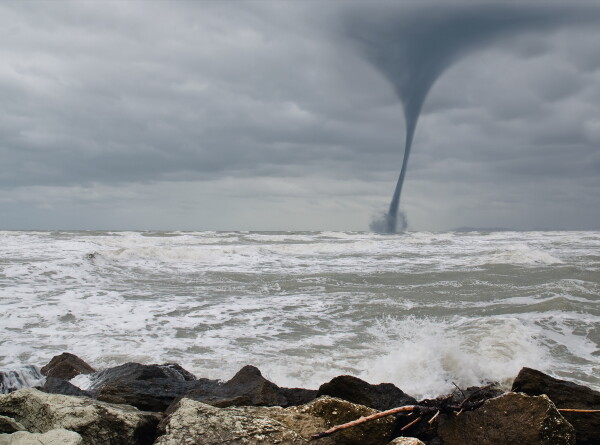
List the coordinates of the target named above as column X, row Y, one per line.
column 425, row 357
column 523, row 254
column 13, row 378
column 421, row 310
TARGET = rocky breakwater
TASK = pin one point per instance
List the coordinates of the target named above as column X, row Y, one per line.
column 165, row 404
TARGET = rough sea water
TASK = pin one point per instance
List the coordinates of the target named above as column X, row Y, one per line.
column 420, row 310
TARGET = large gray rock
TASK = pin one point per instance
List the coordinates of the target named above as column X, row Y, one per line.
column 565, row 394
column 97, row 422
column 52, row 437
column 337, row 411
column 200, row 423
column 382, row 397
column 66, row 366
column 511, row 418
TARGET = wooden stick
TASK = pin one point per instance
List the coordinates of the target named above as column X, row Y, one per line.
column 408, row 425
column 434, row 417
column 363, row 419
column 411, row 408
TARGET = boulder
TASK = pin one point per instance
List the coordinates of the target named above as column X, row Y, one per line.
column 197, row 422
column 97, row 422
column 406, row 441
column 54, row 385
column 511, row 418
column 154, row 394
column 337, row 411
column 155, row 387
column 8, row 425
column 66, row 366
column 565, row 394
column 381, row 397
column 134, row 371
column 249, row 388
column 147, row 387
column 53, row 437
column 475, row 395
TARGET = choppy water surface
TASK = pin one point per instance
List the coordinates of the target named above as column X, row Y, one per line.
column 421, row 310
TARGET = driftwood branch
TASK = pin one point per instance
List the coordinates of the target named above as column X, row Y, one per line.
column 379, row 415
column 408, row 425
column 421, row 410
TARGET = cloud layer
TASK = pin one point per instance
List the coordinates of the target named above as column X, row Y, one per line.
column 262, row 115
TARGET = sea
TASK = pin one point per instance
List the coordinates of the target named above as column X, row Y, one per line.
column 423, row 310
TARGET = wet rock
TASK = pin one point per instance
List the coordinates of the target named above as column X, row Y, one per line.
column 8, row 425
column 22, row 377
column 134, row 371
column 153, row 394
column 249, row 388
column 97, row 422
column 147, row 387
column 54, row 385
column 511, row 418
column 196, row 422
column 381, row 397
column 155, row 387
column 565, row 394
column 52, row 437
column 472, row 397
column 66, row 366
column 406, row 441
column 298, row 396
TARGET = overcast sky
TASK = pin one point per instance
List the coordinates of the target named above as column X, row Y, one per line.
column 223, row 115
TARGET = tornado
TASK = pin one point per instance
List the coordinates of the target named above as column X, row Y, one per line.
column 412, row 45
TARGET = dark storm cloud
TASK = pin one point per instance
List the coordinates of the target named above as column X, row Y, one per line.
column 148, row 95
column 413, row 50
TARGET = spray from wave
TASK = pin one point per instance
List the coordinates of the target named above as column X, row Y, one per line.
column 412, row 46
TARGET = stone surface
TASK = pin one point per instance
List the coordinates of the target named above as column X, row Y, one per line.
column 134, row 371
column 66, row 366
column 381, row 397
column 154, row 394
column 9, row 425
column 249, row 387
column 195, row 422
column 97, row 422
column 147, row 387
column 406, row 441
column 54, row 385
column 154, row 388
column 475, row 395
column 512, row 418
column 52, row 437
column 565, row 394
column 337, row 411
